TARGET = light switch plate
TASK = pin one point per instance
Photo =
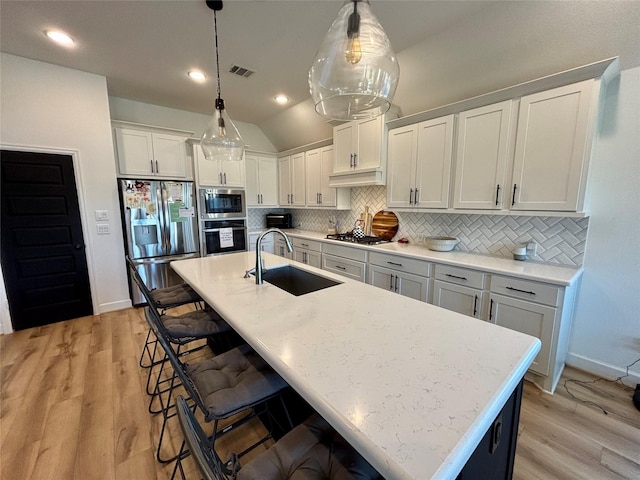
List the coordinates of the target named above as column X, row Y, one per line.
column 102, row 215
column 103, row 229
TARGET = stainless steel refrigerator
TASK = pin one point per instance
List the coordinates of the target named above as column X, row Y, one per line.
column 160, row 225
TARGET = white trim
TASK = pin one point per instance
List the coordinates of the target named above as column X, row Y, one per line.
column 112, row 306
column 604, row 370
column 84, row 220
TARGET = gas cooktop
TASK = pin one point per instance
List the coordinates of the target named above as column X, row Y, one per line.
column 349, row 237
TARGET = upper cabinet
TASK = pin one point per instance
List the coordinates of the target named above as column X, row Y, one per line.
column 150, row 152
column 262, row 180
column 360, row 153
column 553, row 146
column 291, row 180
column 420, row 164
column 482, row 156
column 319, row 165
column 217, row 173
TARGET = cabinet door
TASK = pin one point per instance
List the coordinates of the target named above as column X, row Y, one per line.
column 412, row 286
column 328, row 195
column 526, row 317
column 280, row 248
column 403, row 151
column 382, row 278
column 169, row 155
column 457, row 298
column 232, row 173
column 135, row 152
column 284, row 180
column 433, row 165
column 312, row 159
column 208, row 171
column 298, row 179
column 252, row 190
column 553, row 139
column 268, row 180
column 344, row 144
column 308, row 257
column 481, row 157
column 369, row 143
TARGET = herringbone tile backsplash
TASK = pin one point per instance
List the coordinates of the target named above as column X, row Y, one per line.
column 561, row 240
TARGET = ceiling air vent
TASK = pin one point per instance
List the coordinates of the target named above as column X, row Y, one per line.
column 241, row 71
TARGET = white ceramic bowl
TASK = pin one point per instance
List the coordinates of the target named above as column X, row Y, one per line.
column 441, row 244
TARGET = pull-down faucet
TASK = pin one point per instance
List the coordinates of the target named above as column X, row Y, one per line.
column 259, row 266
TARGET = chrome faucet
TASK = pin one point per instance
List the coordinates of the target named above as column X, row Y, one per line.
column 259, row 265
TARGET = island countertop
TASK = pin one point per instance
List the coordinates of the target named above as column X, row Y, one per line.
column 411, row 386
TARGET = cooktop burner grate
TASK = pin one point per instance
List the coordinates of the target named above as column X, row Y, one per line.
column 349, row 237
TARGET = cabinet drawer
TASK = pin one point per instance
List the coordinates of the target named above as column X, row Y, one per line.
column 342, row 266
column 351, row 253
column 306, row 244
column 403, row 264
column 531, row 291
column 460, row 276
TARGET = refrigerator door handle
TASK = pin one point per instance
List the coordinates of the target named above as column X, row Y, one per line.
column 164, row 217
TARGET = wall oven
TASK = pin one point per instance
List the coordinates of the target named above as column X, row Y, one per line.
column 221, row 203
column 223, row 236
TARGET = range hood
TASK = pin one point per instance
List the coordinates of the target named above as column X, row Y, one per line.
column 358, row 178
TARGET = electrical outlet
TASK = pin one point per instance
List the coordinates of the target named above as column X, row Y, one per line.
column 103, row 229
column 532, row 248
column 102, row 215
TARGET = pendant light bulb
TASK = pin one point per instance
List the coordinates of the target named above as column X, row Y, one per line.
column 355, row 73
column 221, row 139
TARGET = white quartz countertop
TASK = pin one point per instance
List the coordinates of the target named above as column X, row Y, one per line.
column 411, row 386
column 542, row 272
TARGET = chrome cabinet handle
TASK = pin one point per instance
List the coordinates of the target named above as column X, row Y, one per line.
column 157, row 168
column 415, row 198
column 225, row 178
column 288, row 198
column 151, row 162
column 397, row 282
column 351, row 160
column 390, row 282
column 521, row 291
column 411, row 196
column 355, row 159
column 220, row 178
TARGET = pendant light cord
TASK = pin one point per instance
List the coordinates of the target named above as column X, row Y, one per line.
column 215, row 29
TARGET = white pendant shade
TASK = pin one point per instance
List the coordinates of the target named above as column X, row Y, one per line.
column 355, row 73
column 221, row 140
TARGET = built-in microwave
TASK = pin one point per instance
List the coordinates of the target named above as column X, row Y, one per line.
column 221, row 203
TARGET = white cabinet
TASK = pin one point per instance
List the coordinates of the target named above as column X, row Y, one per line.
column 217, row 173
column 306, row 251
column 319, row 165
column 360, row 153
column 280, row 248
column 553, row 146
column 459, row 289
column 406, row 276
column 420, row 164
column 540, row 310
column 346, row 261
column 291, row 180
column 262, row 180
column 145, row 153
column 267, row 242
column 482, row 156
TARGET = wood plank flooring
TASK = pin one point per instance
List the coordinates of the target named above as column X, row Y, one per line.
column 73, row 406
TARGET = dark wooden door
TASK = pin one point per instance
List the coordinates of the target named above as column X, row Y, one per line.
column 42, row 246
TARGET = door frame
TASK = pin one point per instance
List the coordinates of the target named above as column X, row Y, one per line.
column 5, row 316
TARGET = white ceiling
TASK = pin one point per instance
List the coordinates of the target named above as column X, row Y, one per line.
column 447, row 50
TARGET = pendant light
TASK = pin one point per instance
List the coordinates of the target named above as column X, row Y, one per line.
column 355, row 73
column 221, row 140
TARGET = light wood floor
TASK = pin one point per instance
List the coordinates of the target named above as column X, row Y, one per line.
column 73, row 407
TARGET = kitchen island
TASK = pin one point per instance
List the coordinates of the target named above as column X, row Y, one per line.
column 413, row 387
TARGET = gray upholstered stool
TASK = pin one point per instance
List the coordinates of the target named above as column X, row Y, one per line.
column 311, row 451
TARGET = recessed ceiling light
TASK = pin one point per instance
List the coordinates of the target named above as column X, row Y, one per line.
column 197, row 76
column 60, row 37
column 281, row 99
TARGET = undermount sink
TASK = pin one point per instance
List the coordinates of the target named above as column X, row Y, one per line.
column 296, row 281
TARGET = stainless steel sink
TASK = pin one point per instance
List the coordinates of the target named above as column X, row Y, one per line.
column 296, row 281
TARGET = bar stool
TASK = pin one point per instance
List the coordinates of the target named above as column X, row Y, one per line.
column 312, row 450
column 236, row 381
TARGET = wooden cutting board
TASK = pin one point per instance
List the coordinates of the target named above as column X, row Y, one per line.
column 384, row 224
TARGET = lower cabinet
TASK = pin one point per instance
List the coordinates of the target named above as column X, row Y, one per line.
column 307, row 252
column 459, row 290
column 406, row 276
column 346, row 261
column 267, row 242
column 280, row 248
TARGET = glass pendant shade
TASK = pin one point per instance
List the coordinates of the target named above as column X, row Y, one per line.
column 355, row 73
column 221, row 140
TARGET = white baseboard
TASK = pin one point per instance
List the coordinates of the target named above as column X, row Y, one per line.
column 110, row 307
column 601, row 369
